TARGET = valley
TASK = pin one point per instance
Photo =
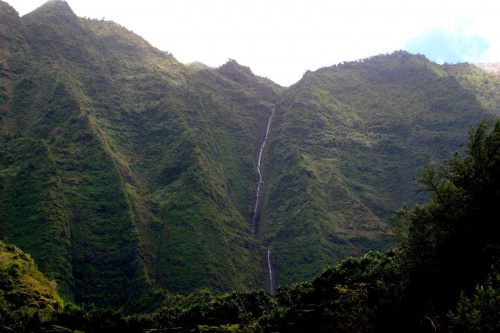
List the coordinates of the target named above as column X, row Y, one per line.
column 128, row 176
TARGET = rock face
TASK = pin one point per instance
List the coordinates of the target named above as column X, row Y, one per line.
column 123, row 170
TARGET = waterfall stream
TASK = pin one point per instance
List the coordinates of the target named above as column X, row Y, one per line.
column 260, row 185
column 272, row 282
column 258, row 202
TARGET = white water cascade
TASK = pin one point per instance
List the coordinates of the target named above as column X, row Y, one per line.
column 260, row 186
column 272, row 282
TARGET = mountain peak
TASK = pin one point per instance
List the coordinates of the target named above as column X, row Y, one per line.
column 54, row 27
column 232, row 66
column 243, row 74
column 53, row 9
column 60, row 4
column 9, row 21
column 4, row 6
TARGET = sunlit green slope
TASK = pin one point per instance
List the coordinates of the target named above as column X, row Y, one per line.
column 26, row 296
column 346, row 144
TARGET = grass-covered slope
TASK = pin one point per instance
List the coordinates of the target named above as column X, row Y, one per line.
column 137, row 182
column 346, row 144
column 123, row 170
column 26, row 296
column 234, row 107
column 64, row 200
column 178, row 141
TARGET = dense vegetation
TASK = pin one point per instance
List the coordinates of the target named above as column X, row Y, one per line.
column 348, row 142
column 130, row 177
column 125, row 162
column 431, row 283
column 27, row 298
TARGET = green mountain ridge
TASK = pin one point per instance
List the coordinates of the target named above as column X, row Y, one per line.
column 357, row 134
column 124, row 171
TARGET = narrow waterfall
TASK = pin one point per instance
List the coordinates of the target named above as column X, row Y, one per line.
column 272, row 280
column 258, row 202
column 260, row 186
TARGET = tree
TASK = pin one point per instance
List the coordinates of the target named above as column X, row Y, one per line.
column 449, row 244
column 481, row 312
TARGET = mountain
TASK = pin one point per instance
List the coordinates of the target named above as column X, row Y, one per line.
column 125, row 173
column 122, row 141
column 349, row 141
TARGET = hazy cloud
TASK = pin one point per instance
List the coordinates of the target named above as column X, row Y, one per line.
column 452, row 46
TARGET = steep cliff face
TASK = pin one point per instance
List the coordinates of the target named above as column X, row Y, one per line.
column 346, row 145
column 110, row 154
column 123, row 170
column 64, row 200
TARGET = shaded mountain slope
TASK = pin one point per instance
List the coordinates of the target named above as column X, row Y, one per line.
column 129, row 139
column 80, row 205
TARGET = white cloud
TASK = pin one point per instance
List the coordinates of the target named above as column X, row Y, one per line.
column 459, row 44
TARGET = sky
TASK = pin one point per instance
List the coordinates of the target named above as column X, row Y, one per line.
column 282, row 39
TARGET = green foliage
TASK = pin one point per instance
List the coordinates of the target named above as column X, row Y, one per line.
column 129, row 176
column 127, row 164
column 360, row 295
column 27, row 298
column 32, row 212
column 448, row 245
column 481, row 311
column 346, row 144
